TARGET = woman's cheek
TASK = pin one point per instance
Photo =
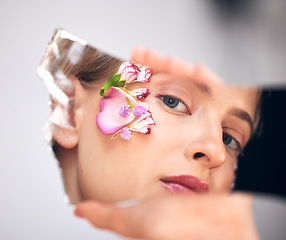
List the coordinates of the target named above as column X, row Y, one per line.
column 223, row 179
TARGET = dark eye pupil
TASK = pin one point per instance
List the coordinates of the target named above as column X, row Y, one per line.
column 226, row 138
column 171, row 101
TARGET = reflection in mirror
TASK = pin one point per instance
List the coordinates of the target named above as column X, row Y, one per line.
column 186, row 136
column 68, row 68
column 261, row 166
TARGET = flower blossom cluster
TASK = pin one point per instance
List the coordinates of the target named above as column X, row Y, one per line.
column 122, row 111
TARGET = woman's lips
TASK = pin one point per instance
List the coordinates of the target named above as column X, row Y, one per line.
column 185, row 184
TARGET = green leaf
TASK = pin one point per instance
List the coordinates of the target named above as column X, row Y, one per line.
column 113, row 81
column 119, row 83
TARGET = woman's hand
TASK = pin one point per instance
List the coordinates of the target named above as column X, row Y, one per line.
column 172, row 65
column 177, row 217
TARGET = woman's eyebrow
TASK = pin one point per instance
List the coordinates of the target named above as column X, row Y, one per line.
column 237, row 112
column 204, row 89
column 243, row 115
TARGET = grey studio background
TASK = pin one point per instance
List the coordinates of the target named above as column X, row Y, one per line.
column 32, row 197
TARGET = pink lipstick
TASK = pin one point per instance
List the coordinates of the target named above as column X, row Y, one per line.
column 185, row 184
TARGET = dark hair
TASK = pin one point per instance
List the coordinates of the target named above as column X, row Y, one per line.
column 258, row 121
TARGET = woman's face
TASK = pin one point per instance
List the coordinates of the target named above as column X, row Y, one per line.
column 193, row 147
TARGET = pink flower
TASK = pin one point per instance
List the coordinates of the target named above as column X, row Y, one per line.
column 142, row 124
column 144, row 75
column 131, row 72
column 124, row 111
column 108, row 120
column 125, row 133
column 139, row 111
column 140, row 93
column 113, row 117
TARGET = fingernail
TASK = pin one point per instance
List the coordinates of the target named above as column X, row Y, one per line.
column 78, row 213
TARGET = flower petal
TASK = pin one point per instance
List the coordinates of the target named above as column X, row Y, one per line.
column 142, row 124
column 140, row 128
column 144, row 75
column 124, row 111
column 129, row 72
column 125, row 133
column 108, row 119
column 140, row 93
column 139, row 111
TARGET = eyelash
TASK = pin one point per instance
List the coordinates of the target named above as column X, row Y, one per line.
column 238, row 146
column 176, row 101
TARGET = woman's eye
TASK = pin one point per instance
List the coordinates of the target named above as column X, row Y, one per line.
column 174, row 103
column 231, row 142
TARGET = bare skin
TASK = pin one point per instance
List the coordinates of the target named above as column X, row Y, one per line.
column 214, row 216
column 176, row 217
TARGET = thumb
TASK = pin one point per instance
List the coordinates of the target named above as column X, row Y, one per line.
column 122, row 220
column 98, row 214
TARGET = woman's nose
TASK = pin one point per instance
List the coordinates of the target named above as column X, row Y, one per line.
column 206, row 145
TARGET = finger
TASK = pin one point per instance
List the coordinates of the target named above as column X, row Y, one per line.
column 203, row 75
column 138, row 55
column 172, row 65
column 97, row 213
column 124, row 221
column 150, row 58
column 179, row 67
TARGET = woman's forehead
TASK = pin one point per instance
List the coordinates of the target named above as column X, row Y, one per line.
column 209, row 90
column 231, row 96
